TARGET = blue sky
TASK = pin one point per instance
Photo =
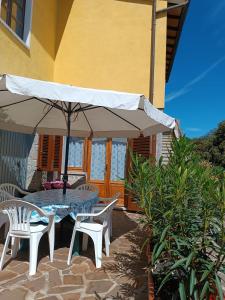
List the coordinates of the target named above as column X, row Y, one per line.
column 195, row 93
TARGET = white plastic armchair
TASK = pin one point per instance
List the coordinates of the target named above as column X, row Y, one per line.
column 95, row 231
column 12, row 189
column 19, row 213
column 88, row 187
column 4, row 220
column 103, row 202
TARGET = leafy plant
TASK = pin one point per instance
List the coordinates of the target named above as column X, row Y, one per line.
column 184, row 208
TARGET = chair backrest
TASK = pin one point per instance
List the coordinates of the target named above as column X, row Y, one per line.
column 12, row 189
column 106, row 212
column 87, row 187
column 5, row 196
column 19, row 213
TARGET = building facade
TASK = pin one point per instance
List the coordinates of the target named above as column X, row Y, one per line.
column 103, row 44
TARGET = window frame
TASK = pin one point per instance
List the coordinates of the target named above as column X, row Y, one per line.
column 26, row 24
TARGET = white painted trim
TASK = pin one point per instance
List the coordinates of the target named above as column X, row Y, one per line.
column 27, row 25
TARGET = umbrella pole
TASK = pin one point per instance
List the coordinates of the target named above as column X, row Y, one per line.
column 65, row 175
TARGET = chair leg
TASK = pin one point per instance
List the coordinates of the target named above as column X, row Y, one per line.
column 51, row 240
column 85, row 242
column 15, row 246
column 107, row 241
column 97, row 238
column 34, row 243
column 4, row 251
column 71, row 246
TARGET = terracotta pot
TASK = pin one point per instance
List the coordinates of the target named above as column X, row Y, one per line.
column 151, row 294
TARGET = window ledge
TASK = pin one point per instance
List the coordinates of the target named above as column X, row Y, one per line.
column 26, row 45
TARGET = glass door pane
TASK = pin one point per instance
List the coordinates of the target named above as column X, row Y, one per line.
column 76, row 152
column 118, row 159
column 98, row 158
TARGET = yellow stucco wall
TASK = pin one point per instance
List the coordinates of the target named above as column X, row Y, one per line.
column 106, row 44
column 37, row 61
column 91, row 43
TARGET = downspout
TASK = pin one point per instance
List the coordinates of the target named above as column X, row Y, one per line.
column 152, row 66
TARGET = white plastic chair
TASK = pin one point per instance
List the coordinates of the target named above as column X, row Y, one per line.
column 19, row 213
column 103, row 202
column 4, row 220
column 12, row 189
column 88, row 187
column 95, row 231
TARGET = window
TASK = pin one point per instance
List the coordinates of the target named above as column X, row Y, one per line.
column 76, row 153
column 16, row 15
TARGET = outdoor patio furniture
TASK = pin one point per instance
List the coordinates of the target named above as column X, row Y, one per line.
column 94, row 230
column 13, row 189
column 4, row 220
column 19, row 213
column 71, row 203
column 103, row 202
column 87, row 187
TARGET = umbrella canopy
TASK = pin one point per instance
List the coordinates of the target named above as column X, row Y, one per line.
column 30, row 106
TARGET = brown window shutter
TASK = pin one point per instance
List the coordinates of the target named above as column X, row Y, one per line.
column 50, row 153
column 145, row 146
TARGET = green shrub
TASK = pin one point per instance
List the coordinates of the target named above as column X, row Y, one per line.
column 184, row 206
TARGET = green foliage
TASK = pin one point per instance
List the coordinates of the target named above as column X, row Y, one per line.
column 184, row 206
column 212, row 146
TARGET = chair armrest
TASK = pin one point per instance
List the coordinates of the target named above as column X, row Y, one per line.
column 22, row 191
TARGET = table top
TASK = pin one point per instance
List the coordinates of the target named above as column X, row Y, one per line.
column 73, row 202
column 56, row 197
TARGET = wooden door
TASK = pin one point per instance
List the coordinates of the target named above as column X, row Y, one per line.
column 106, row 166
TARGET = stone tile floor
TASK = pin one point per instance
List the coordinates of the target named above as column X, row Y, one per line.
column 122, row 276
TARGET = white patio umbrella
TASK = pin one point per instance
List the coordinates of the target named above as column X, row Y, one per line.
column 30, row 106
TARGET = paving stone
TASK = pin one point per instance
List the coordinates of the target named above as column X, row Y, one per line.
column 49, row 298
column 99, row 286
column 15, row 280
column 58, row 264
column 72, row 296
column 15, row 294
column 54, row 278
column 7, row 275
column 80, row 268
column 20, row 268
column 72, row 279
column 35, row 285
column 63, row 289
column 98, row 275
column 90, row 298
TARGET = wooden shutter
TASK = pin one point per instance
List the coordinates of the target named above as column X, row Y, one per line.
column 146, row 146
column 50, row 153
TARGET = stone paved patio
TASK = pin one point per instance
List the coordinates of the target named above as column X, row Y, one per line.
column 122, row 275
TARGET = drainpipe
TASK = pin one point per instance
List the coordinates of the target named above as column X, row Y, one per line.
column 152, row 67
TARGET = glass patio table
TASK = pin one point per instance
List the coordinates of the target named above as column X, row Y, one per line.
column 72, row 203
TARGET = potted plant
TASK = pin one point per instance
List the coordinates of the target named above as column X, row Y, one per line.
column 184, row 208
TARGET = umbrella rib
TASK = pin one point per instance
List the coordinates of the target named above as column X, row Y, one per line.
column 88, row 107
column 53, row 104
column 3, row 90
column 43, row 118
column 87, row 121
column 74, row 109
column 18, row 102
column 122, row 118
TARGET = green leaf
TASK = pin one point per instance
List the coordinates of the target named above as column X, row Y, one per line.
column 165, row 279
column 159, row 251
column 178, row 263
column 192, row 281
column 164, row 234
column 206, row 273
column 219, row 287
column 204, row 290
column 182, row 291
column 189, row 259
